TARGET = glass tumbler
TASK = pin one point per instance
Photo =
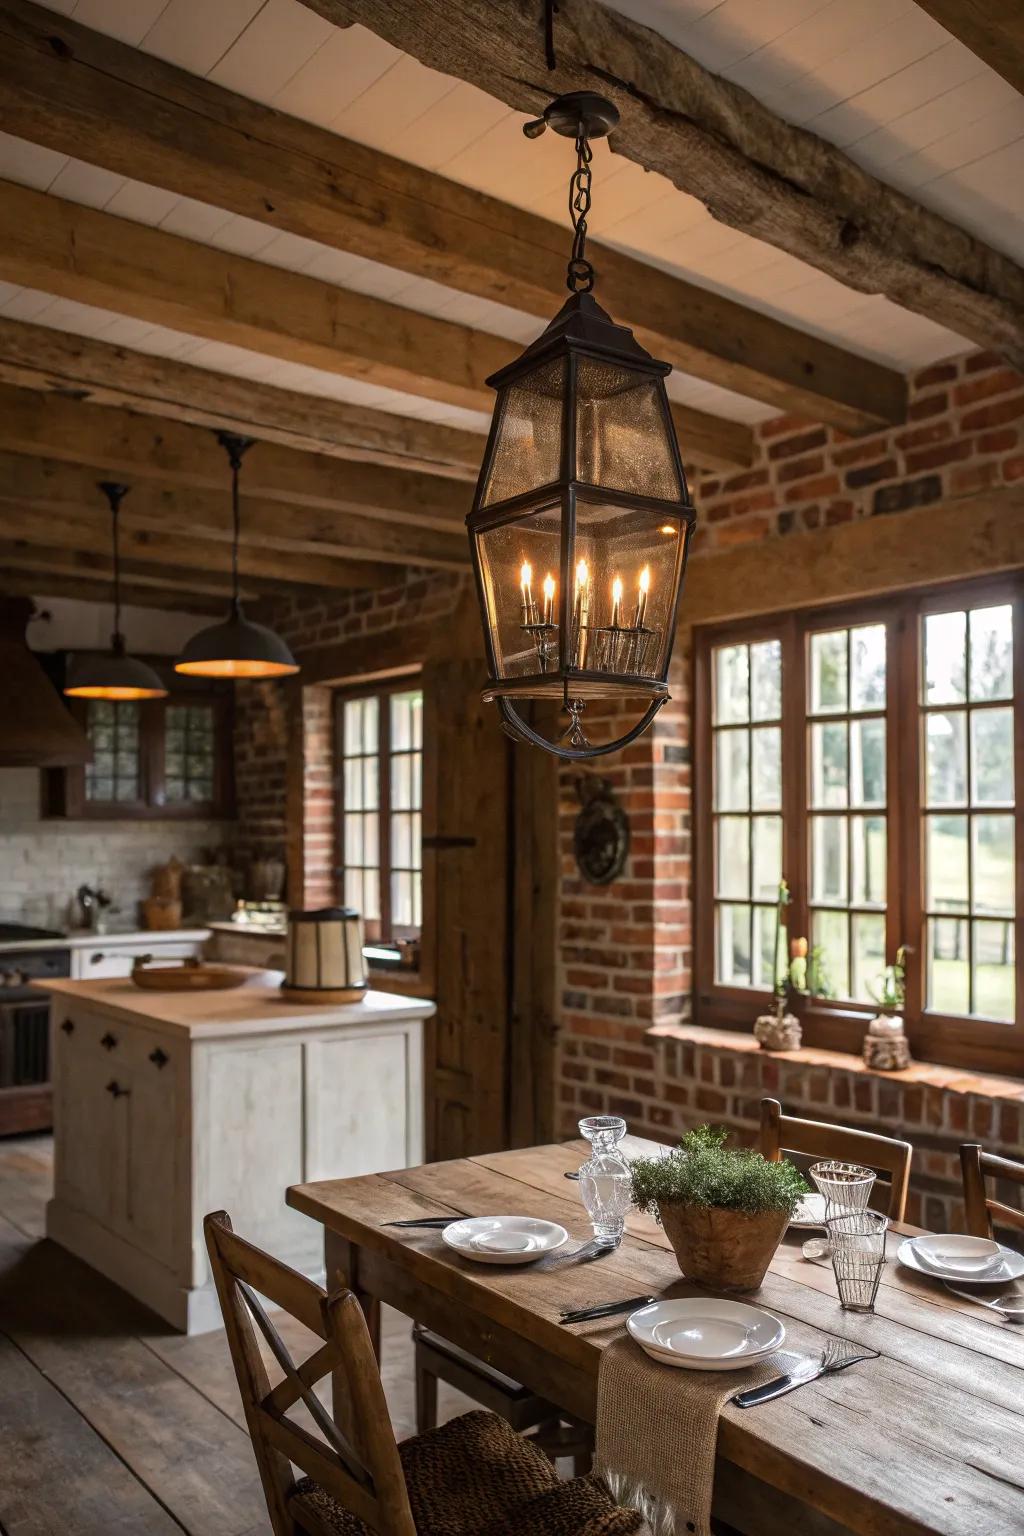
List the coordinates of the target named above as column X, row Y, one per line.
column 604, row 1179
column 857, row 1242
column 846, row 1187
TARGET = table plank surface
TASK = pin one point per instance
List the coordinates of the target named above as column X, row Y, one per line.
column 926, row 1439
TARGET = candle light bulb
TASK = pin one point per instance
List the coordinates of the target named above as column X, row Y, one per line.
column 549, row 598
column 582, row 574
column 645, row 579
column 549, row 586
column 642, row 588
column 525, row 577
column 616, row 602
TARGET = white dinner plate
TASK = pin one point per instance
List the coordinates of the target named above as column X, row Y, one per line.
column 504, row 1239
column 1010, row 1267
column 951, row 1251
column 810, row 1212
column 701, row 1333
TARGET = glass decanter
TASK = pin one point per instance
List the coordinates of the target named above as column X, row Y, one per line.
column 604, row 1178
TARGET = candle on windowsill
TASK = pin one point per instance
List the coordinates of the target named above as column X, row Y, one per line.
column 643, row 586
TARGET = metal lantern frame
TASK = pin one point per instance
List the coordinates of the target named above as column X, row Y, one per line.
column 582, row 330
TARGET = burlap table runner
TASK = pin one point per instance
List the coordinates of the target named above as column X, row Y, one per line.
column 657, row 1432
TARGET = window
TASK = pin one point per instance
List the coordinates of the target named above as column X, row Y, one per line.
column 380, row 757
column 868, row 755
column 155, row 758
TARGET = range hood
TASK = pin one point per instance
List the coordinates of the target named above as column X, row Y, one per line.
column 36, row 728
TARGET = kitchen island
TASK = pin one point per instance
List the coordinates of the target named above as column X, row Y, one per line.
column 172, row 1104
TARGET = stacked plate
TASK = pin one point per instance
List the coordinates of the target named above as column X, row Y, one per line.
column 950, row 1256
column 701, row 1333
column 504, row 1239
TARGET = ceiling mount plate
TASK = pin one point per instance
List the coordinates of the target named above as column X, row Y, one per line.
column 579, row 114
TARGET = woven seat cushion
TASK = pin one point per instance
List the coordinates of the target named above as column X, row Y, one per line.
column 475, row 1476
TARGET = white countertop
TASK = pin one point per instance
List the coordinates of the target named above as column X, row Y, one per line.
column 256, row 1008
column 88, row 939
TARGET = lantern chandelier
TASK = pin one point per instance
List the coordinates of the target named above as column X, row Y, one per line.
column 582, row 516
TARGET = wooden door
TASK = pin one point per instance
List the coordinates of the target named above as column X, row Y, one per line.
column 466, row 877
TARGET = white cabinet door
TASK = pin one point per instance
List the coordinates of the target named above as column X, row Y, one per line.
column 90, row 1121
column 156, row 1155
column 357, row 1097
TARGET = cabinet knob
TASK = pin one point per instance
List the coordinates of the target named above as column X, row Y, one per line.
column 68, row 1026
column 159, row 1058
column 97, row 957
column 116, row 1091
column 109, row 1041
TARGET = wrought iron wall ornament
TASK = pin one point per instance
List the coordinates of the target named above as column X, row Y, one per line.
column 582, row 516
column 601, row 834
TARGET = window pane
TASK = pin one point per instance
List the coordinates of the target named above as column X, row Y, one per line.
column 993, row 863
column 946, row 751
column 829, row 934
column 370, row 786
column 353, row 716
column 867, row 762
column 764, row 944
column 732, row 664
column 828, row 672
column 732, row 754
column 733, row 856
column 994, row 991
column 867, row 657
column 370, row 725
column 353, row 840
column 829, row 764
column 767, row 767
column 371, row 893
column 354, row 890
column 945, row 658
column 766, row 680
column 401, row 899
column 733, row 946
column 991, row 631
column 353, row 785
column 948, row 966
column 401, row 782
column 992, row 756
column 868, row 860
column 828, row 858
column 401, row 841
column 946, row 863
column 405, row 709
column 767, row 856
column 868, row 955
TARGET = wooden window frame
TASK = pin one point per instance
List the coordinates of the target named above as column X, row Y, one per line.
column 973, row 1043
column 383, row 692
column 64, row 793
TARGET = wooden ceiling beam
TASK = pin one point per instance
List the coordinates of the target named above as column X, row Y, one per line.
column 184, row 528
column 44, row 560
column 82, row 254
column 714, row 140
column 992, row 29
column 87, row 587
column 38, row 357
column 75, row 90
column 292, row 501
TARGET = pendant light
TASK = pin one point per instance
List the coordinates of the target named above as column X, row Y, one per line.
column 115, row 675
column 237, row 647
column 582, row 516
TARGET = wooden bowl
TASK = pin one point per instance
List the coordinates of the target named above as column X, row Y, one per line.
column 191, row 976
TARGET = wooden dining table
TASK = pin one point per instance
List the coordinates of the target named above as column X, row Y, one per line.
column 929, row 1437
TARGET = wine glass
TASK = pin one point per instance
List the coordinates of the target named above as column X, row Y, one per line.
column 604, row 1179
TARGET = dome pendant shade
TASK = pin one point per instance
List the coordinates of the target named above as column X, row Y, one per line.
column 113, row 676
column 236, row 648
column 116, row 675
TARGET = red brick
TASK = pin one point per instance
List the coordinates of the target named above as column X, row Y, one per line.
column 994, row 415
column 938, row 373
column 928, row 405
column 999, row 382
column 943, row 453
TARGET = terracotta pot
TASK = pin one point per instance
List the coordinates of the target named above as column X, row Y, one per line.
column 726, row 1250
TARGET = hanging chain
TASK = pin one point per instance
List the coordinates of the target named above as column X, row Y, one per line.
column 235, row 446
column 115, row 518
column 579, row 277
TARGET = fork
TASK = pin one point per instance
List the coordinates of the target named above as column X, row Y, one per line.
column 836, row 1356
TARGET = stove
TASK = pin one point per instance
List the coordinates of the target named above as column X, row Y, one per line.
column 25, row 1095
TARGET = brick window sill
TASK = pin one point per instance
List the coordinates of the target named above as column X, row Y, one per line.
column 953, row 1080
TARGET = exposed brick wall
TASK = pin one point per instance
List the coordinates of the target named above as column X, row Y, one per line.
column 963, row 435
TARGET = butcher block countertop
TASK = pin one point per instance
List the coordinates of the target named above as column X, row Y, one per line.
column 256, row 1008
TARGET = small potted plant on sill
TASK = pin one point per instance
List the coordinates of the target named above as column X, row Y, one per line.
column 723, row 1209
column 885, row 1045
column 780, row 1030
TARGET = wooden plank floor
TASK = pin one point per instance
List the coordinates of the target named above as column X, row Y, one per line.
column 110, row 1422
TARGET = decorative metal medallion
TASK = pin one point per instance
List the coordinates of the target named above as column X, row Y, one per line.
column 601, row 834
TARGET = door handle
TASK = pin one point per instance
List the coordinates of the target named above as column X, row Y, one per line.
column 97, row 957
column 116, row 1091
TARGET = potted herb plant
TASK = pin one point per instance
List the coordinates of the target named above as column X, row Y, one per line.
column 724, row 1209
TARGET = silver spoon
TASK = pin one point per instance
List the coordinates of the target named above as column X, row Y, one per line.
column 1010, row 1306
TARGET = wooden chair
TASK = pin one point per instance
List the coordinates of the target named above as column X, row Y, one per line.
column 472, row 1472
column 982, row 1213
column 818, row 1140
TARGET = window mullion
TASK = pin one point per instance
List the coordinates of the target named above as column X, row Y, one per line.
column 384, row 828
column 794, row 774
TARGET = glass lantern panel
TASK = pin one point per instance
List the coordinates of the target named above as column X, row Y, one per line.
column 623, row 440
column 520, row 567
column 528, row 437
column 620, row 550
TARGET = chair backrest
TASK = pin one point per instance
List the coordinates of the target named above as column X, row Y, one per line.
column 818, row 1140
column 353, row 1455
column 982, row 1212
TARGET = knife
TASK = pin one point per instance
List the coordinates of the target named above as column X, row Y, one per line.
column 424, row 1221
column 607, row 1309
